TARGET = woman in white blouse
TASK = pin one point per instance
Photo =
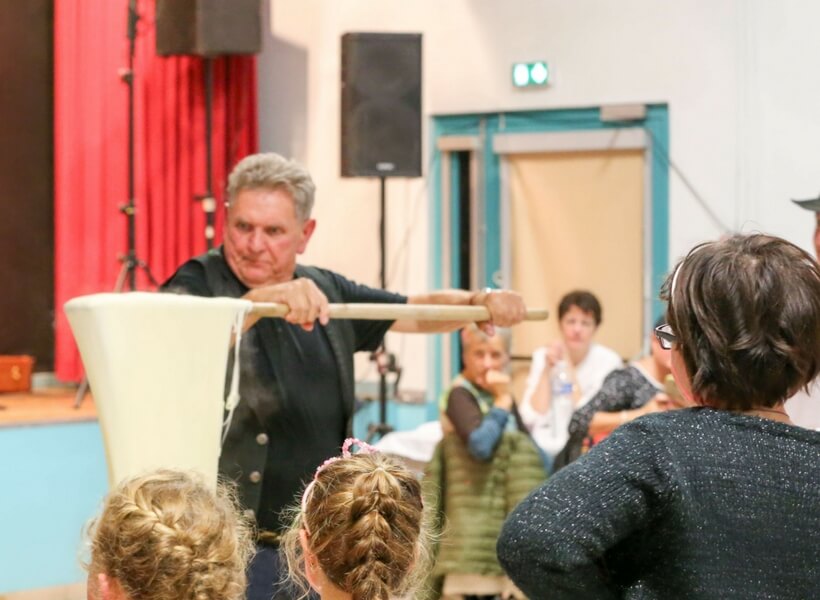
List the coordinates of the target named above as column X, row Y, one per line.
column 579, row 315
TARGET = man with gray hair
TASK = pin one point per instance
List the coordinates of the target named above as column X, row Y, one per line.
column 297, row 382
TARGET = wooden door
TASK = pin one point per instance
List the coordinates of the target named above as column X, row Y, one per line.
column 576, row 221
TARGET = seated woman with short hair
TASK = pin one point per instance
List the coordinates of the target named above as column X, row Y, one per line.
column 579, row 316
column 484, row 465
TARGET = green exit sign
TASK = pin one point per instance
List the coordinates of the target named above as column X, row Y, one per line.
column 530, row 74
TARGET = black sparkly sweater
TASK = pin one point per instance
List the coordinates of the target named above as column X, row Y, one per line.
column 692, row 504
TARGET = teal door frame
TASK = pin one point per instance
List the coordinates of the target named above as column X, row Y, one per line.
column 475, row 133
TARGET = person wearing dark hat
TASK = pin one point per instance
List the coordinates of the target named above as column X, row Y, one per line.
column 803, row 407
column 813, row 205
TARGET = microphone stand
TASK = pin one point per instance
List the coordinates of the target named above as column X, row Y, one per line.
column 130, row 261
column 385, row 361
column 207, row 200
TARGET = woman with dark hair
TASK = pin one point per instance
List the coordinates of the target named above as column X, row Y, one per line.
column 626, row 394
column 717, row 501
column 586, row 362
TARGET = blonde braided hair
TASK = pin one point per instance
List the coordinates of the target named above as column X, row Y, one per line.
column 363, row 518
column 166, row 535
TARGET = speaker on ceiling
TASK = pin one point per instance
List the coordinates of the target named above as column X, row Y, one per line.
column 381, row 105
column 208, row 27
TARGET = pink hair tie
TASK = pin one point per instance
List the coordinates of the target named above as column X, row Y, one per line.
column 363, row 448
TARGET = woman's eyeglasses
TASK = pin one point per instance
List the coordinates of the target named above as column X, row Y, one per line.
column 665, row 336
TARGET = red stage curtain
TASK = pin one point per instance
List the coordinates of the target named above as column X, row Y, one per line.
column 90, row 130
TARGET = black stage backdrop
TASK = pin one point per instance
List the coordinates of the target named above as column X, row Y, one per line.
column 27, row 180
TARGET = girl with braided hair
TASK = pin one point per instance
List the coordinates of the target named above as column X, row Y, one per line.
column 167, row 535
column 358, row 534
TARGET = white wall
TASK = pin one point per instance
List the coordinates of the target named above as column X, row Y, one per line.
column 741, row 78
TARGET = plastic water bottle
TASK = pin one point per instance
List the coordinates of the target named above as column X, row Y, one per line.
column 562, row 400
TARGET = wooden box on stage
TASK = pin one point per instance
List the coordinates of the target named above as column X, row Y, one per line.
column 15, row 373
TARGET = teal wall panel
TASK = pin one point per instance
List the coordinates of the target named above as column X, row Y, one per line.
column 52, row 480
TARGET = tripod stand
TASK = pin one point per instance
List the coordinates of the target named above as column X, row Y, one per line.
column 130, row 261
column 385, row 361
column 207, row 200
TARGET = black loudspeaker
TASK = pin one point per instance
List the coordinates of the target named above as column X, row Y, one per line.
column 208, row 27
column 381, row 105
